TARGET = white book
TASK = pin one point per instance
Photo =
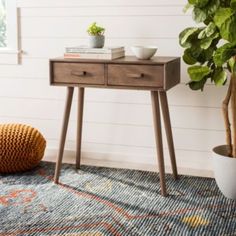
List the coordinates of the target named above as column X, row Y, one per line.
column 84, row 49
column 95, row 55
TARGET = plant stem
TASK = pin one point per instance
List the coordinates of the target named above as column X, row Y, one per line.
column 233, row 107
column 225, row 108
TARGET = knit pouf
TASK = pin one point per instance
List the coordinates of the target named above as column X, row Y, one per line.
column 21, row 148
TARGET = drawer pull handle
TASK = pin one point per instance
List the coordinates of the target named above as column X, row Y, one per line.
column 136, row 76
column 79, row 73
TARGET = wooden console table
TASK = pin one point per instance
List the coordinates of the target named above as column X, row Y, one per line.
column 156, row 75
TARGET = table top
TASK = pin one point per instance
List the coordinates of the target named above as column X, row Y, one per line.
column 123, row 60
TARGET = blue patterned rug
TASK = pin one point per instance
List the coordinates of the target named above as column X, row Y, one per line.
column 97, row 201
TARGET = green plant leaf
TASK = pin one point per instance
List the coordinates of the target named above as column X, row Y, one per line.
column 206, row 42
column 185, row 35
column 212, row 7
column 224, row 53
column 205, row 55
column 198, row 3
column 203, row 13
column 188, row 57
column 221, row 15
column 233, row 4
column 219, row 76
column 199, row 15
column 232, row 65
column 198, row 73
column 210, row 29
column 94, row 29
column 227, row 29
column 197, row 85
column 202, row 34
column 207, row 31
column 187, row 7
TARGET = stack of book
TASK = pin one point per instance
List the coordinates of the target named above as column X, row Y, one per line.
column 94, row 53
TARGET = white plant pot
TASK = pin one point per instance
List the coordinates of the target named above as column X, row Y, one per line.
column 96, row 41
column 225, row 171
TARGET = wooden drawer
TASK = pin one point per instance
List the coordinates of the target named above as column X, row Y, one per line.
column 136, row 75
column 78, row 73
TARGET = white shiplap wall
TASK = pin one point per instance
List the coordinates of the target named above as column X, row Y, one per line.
column 117, row 124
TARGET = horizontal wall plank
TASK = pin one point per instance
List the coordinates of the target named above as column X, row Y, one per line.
column 113, row 113
column 103, row 11
column 113, row 161
column 69, row 24
column 31, row 88
column 185, row 139
column 135, row 154
column 70, row 3
column 200, row 160
column 28, row 68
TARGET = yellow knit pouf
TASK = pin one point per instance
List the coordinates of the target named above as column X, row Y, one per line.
column 21, row 148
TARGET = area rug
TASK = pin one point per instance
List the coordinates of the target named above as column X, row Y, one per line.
column 97, row 201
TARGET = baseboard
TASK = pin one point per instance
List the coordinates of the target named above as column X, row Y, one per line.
column 117, row 161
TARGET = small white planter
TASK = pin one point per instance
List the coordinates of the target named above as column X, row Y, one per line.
column 96, row 41
column 225, row 171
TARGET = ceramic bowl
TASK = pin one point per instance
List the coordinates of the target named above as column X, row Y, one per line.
column 144, row 52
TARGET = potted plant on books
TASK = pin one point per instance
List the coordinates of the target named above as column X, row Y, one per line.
column 210, row 50
column 96, row 36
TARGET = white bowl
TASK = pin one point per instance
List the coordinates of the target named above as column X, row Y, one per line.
column 144, row 52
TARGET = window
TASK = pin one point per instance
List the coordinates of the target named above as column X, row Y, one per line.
column 2, row 23
column 9, row 50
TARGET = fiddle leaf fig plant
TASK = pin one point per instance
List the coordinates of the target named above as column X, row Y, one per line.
column 210, row 52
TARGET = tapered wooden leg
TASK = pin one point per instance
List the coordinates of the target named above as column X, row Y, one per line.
column 166, row 118
column 158, row 137
column 79, row 125
column 69, row 97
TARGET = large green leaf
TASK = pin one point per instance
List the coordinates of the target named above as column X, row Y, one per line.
column 212, row 6
column 232, row 65
column 187, row 7
column 207, row 31
column 210, row 29
column 228, row 29
column 225, row 20
column 219, row 76
column 225, row 3
column 198, row 73
column 233, row 4
column 199, row 14
column 206, row 42
column 224, row 53
column 221, row 15
column 205, row 55
column 185, row 35
column 197, row 85
column 202, row 34
column 188, row 57
column 198, row 3
column 204, row 13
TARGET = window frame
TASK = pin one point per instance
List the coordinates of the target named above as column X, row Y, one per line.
column 10, row 53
